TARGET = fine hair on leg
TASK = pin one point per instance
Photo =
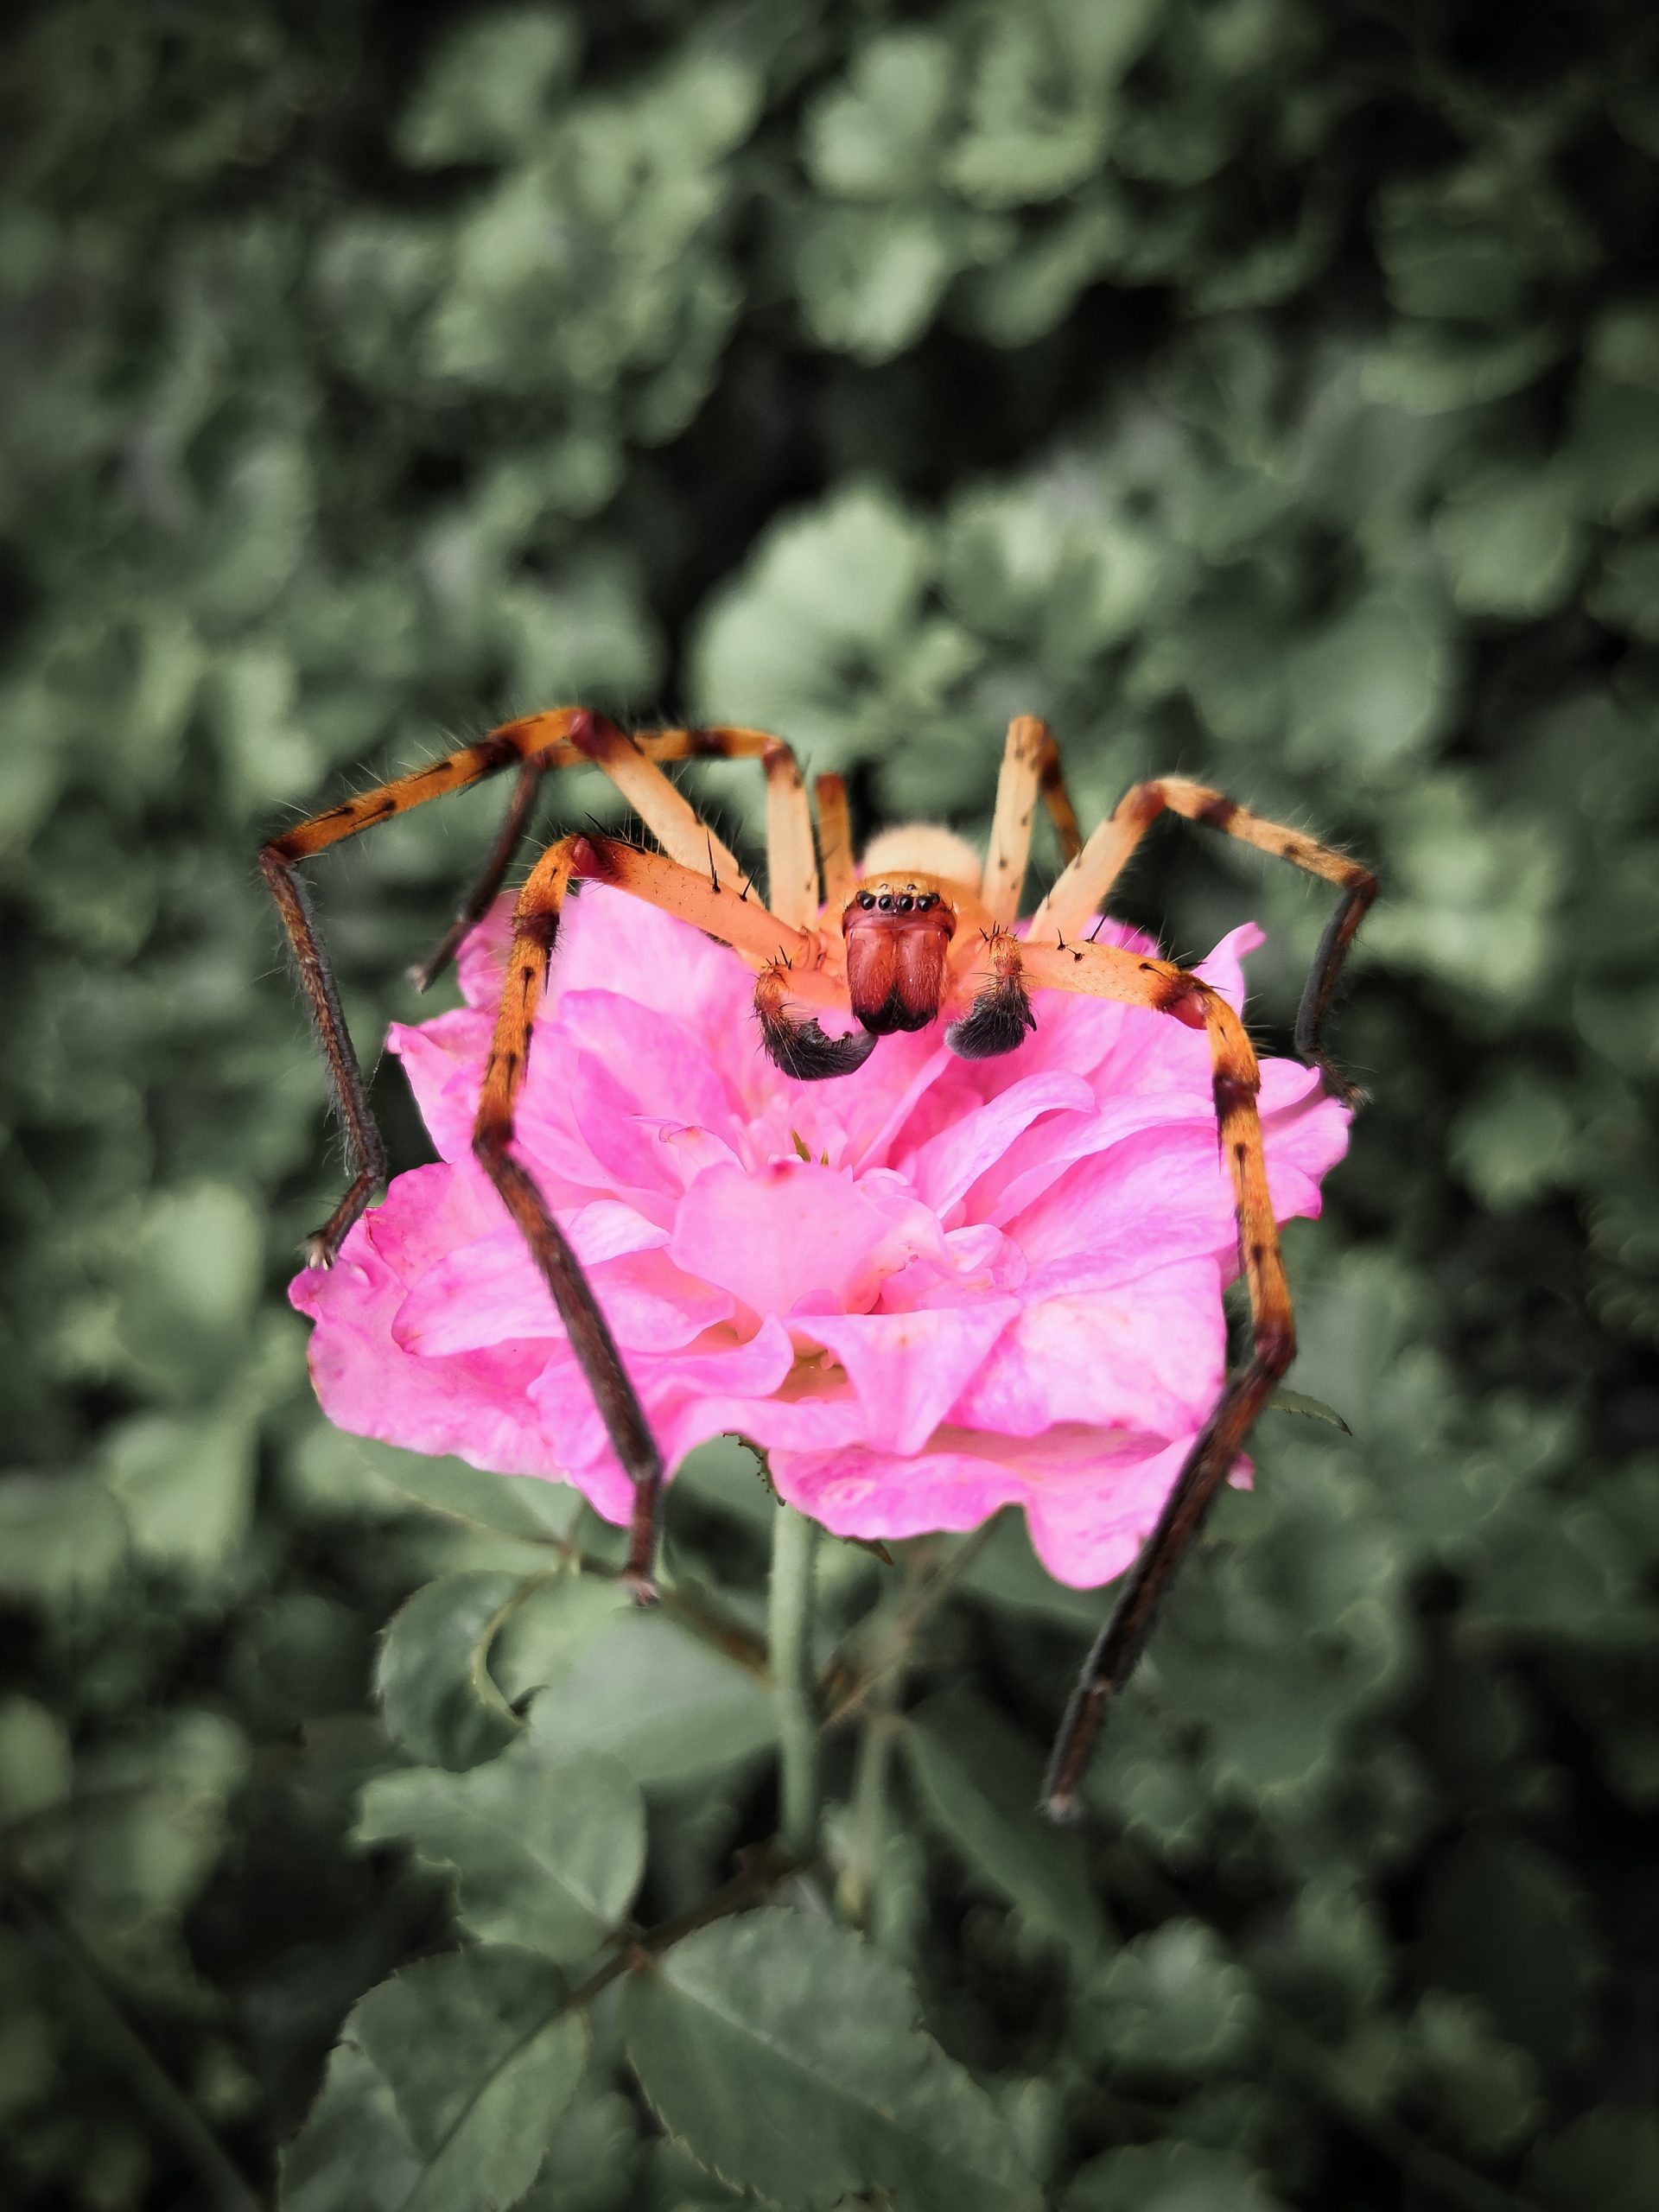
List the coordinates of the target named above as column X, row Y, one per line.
column 722, row 912
column 1082, row 888
column 1107, row 971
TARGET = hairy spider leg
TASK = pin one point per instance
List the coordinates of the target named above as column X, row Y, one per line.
column 561, row 738
column 835, row 841
column 1082, row 890
column 1031, row 770
column 791, row 878
column 497, row 861
column 682, row 891
column 1106, row 971
column 366, row 1154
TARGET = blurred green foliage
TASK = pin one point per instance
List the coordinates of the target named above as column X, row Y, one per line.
column 1261, row 389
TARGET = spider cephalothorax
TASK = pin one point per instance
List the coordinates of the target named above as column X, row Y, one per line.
column 921, row 933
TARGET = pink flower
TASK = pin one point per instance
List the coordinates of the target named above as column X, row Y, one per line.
column 927, row 1290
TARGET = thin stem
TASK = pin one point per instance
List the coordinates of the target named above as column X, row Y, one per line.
column 789, row 1624
column 765, row 1869
column 867, row 1817
column 890, row 1646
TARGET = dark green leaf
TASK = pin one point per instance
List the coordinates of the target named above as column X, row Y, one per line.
column 669, row 1707
column 449, row 2083
column 980, row 1781
column 60, row 1535
column 440, row 1700
column 547, row 1852
column 786, row 2054
column 1285, row 1400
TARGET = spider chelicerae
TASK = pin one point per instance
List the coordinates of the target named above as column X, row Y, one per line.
column 918, row 931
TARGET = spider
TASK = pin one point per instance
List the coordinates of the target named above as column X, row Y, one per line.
column 921, row 931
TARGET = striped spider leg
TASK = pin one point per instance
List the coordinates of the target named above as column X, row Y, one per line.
column 702, row 870
column 995, row 1021
column 1079, row 893
column 1106, row 971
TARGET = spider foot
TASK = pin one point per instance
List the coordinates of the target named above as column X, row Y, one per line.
column 641, row 1585
column 323, row 1243
column 1340, row 1087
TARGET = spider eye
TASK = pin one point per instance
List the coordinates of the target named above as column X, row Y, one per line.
column 906, row 904
column 927, row 901
column 885, row 902
column 867, row 900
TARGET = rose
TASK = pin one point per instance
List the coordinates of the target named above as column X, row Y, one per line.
column 925, row 1291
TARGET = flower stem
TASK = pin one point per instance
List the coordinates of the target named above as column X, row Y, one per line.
column 866, row 1826
column 789, row 1624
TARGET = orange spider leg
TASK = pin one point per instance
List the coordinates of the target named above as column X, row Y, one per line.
column 1105, row 971
column 562, row 738
column 1051, row 785
column 1031, row 769
column 834, row 842
column 792, row 862
column 497, row 861
column 1080, row 892
column 754, row 933
column 365, row 1152
column 787, row 819
column 792, row 856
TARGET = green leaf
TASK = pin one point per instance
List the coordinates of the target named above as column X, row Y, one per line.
column 1285, row 1400
column 592, row 2164
column 1429, row 368
column 1608, row 2158
column 187, row 1485
column 1171, row 2000
column 191, row 1277
column 668, row 1707
column 36, row 1764
column 729, row 1477
column 484, row 97
column 353, row 2154
column 509, row 1505
column 547, row 1852
column 61, row 1536
column 1170, row 2177
column 828, row 598
column 871, row 278
column 876, row 136
column 1373, row 683
column 1033, row 132
column 439, row 1699
column 448, row 2087
column 148, row 1823
column 1482, row 2088
column 1502, row 1921
column 784, row 2052
column 1514, row 1138
column 979, row 1780
column 1512, row 543
column 550, row 1627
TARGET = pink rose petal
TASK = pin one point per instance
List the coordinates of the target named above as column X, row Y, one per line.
column 984, row 1284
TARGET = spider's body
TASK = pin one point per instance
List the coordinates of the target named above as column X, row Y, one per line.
column 921, row 932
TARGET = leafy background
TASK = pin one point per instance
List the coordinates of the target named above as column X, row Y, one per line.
column 1255, row 387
